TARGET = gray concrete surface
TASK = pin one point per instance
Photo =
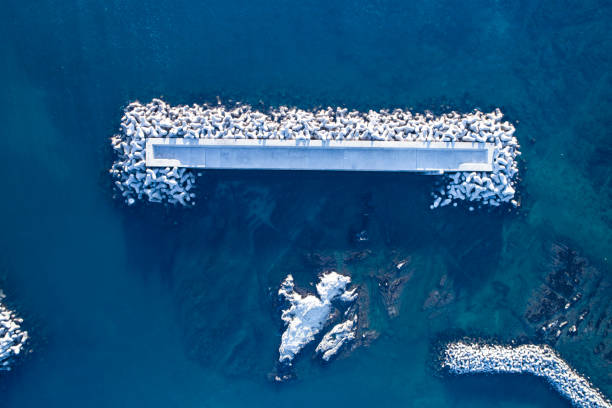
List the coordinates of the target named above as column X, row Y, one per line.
column 266, row 154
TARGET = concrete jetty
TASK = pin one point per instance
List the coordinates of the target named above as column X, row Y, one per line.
column 159, row 147
column 348, row 155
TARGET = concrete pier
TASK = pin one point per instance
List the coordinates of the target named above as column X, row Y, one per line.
column 160, row 148
column 347, row 155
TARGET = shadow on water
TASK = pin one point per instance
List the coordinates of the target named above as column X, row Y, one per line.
column 223, row 259
column 504, row 389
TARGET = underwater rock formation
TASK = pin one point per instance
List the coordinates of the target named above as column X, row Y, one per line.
column 391, row 285
column 572, row 302
column 440, row 296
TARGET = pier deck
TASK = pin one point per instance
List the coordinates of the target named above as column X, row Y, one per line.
column 345, row 155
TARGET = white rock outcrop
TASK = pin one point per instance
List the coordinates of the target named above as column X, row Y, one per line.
column 338, row 336
column 306, row 315
column 135, row 181
column 12, row 337
column 542, row 361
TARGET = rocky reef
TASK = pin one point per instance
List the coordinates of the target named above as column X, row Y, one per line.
column 135, row 181
column 391, row 284
column 573, row 302
column 12, row 337
column 440, row 297
column 539, row 360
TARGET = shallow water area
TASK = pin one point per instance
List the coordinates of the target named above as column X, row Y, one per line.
column 176, row 307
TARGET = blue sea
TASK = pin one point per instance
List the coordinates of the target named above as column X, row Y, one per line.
column 160, row 307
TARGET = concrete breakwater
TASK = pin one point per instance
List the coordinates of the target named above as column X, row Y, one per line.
column 135, row 180
column 12, row 337
column 539, row 360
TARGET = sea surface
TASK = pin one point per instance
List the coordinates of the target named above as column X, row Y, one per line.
column 156, row 307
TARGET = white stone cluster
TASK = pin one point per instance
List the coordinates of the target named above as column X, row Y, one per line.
column 12, row 337
column 307, row 315
column 542, row 361
column 132, row 178
column 158, row 119
column 338, row 336
column 485, row 188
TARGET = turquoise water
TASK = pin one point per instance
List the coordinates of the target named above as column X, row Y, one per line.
column 148, row 307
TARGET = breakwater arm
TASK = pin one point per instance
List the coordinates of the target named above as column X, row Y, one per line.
column 538, row 360
column 159, row 145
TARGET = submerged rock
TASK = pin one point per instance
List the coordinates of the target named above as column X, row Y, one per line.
column 356, row 256
column 440, row 296
column 573, row 301
column 391, row 286
column 319, row 261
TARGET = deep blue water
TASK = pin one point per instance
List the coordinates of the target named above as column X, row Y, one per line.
column 148, row 307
